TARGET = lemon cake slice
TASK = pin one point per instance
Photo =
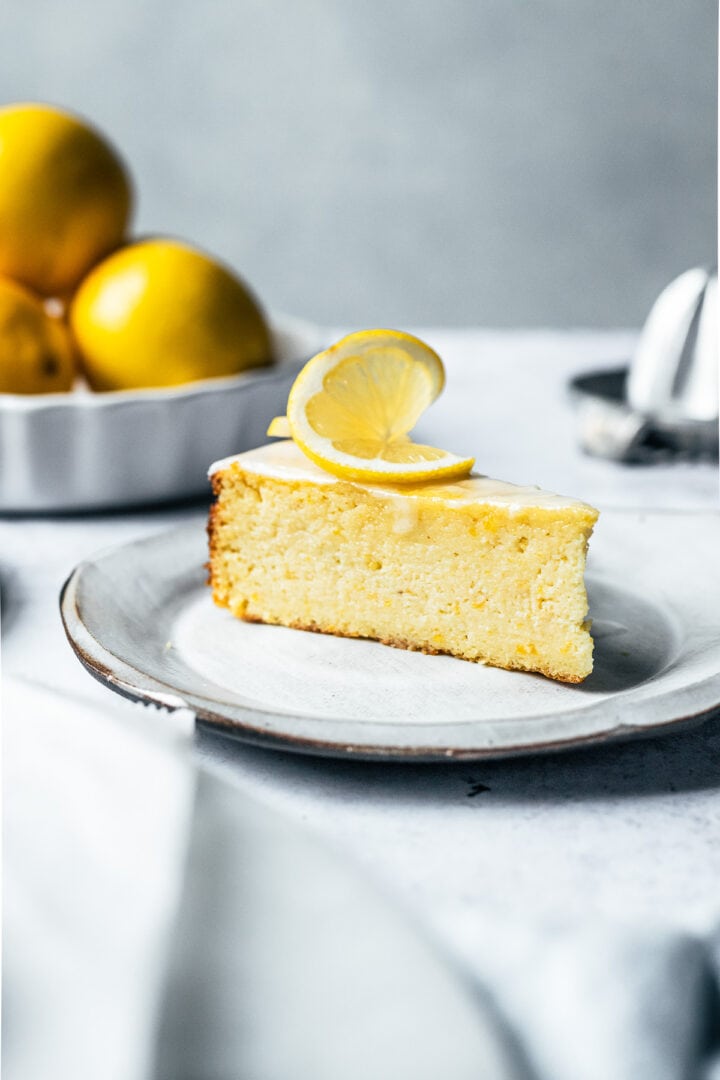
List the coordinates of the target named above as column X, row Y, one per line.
column 480, row 569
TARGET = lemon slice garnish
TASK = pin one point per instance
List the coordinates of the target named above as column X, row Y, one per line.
column 352, row 407
column 279, row 428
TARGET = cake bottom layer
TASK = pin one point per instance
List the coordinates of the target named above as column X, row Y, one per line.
column 499, row 585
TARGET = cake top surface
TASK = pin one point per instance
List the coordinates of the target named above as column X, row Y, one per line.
column 285, row 461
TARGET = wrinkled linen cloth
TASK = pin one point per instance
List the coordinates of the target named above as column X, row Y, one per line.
column 141, row 944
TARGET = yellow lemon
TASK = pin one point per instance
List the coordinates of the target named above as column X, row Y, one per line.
column 64, row 198
column 351, row 409
column 279, row 428
column 36, row 352
column 160, row 313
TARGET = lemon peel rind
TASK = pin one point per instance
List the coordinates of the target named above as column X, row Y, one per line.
column 456, row 469
column 322, row 448
column 362, row 341
column 279, row 428
column 310, row 384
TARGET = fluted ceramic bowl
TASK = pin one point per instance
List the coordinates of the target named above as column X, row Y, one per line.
column 87, row 451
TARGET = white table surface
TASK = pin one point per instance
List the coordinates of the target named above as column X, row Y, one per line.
column 620, row 833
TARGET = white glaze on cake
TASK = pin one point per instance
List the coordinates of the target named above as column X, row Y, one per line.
column 285, row 461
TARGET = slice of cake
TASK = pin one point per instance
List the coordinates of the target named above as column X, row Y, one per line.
column 477, row 568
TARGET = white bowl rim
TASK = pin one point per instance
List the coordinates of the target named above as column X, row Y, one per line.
column 80, row 397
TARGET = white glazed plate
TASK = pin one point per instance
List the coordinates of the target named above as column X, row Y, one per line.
column 140, row 618
column 85, row 451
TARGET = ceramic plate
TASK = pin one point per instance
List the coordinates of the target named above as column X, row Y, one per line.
column 140, row 618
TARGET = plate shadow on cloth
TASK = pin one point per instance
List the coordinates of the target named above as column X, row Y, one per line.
column 682, row 762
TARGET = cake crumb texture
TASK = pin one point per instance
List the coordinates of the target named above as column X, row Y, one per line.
column 502, row 585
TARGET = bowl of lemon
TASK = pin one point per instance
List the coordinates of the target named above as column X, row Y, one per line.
column 126, row 364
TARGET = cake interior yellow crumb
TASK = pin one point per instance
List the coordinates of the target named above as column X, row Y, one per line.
column 427, row 568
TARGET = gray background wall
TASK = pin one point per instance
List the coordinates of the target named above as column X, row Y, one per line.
column 404, row 161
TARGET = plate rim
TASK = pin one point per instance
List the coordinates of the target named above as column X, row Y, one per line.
column 141, row 686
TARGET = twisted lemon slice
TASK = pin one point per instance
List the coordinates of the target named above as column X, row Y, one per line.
column 351, row 409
